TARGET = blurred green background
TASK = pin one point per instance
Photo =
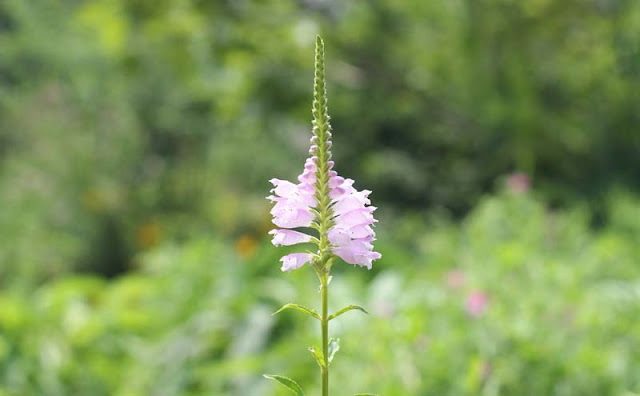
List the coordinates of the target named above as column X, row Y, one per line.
column 500, row 138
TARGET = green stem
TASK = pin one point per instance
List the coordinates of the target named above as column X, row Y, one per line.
column 322, row 132
column 325, row 336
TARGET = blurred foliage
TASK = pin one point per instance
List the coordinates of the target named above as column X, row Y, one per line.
column 137, row 138
column 126, row 122
column 559, row 317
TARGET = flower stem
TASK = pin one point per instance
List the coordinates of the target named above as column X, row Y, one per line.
column 322, row 132
column 324, row 290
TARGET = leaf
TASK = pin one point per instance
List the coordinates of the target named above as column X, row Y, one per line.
column 317, row 353
column 334, row 347
column 301, row 308
column 346, row 309
column 288, row 382
column 366, row 394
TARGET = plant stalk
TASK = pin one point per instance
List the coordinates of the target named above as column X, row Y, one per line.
column 324, row 290
column 322, row 132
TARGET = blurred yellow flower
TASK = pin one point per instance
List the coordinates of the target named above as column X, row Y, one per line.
column 246, row 246
column 149, row 234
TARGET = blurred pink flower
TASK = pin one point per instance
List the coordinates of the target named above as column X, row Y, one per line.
column 455, row 279
column 518, row 183
column 477, row 303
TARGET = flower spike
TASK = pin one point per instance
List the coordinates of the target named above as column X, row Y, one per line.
column 326, row 203
column 322, row 199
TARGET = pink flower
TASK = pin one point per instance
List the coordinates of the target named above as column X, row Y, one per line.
column 288, row 237
column 295, row 261
column 477, row 303
column 352, row 234
column 293, row 204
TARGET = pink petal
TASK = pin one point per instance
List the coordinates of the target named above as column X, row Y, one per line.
column 293, row 218
column 273, row 198
column 308, row 177
column 294, row 261
column 336, row 181
column 361, row 231
column 357, row 254
column 284, row 188
column 337, row 192
column 310, row 164
column 347, row 203
column 345, row 188
column 288, row 237
column 339, row 236
column 307, row 189
column 355, row 217
column 284, row 206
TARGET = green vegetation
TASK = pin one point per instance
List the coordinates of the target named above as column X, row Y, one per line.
column 195, row 319
column 137, row 138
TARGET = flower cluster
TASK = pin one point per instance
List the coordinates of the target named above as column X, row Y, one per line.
column 351, row 233
column 322, row 200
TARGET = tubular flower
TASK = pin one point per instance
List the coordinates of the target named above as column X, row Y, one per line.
column 322, row 200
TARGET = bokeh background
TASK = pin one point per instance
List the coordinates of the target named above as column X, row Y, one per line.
column 500, row 139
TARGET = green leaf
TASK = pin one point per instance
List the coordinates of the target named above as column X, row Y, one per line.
column 334, row 347
column 288, row 382
column 301, row 308
column 346, row 309
column 317, row 354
